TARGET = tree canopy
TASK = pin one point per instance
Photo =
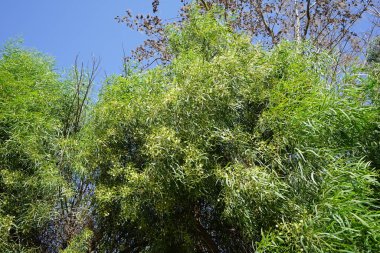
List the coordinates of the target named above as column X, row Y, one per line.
column 230, row 147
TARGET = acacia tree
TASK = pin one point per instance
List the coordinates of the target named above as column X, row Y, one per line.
column 327, row 24
column 230, row 148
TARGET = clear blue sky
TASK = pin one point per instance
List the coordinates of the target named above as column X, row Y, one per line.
column 66, row 28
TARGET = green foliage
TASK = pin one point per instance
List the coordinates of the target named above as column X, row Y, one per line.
column 31, row 99
column 80, row 243
column 231, row 146
column 343, row 220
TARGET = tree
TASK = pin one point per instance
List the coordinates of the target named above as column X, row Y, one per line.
column 327, row 24
column 43, row 194
column 228, row 147
column 231, row 148
column 31, row 114
column 73, row 219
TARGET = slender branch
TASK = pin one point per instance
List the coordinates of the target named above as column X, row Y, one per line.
column 322, row 30
column 307, row 19
column 206, row 5
column 68, row 123
column 94, row 70
column 298, row 23
column 340, row 37
column 259, row 11
column 151, row 63
column 79, row 82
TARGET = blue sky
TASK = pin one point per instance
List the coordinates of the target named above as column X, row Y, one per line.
column 66, row 28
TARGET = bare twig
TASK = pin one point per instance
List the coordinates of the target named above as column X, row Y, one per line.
column 258, row 8
column 308, row 7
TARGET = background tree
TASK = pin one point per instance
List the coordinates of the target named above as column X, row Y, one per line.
column 373, row 53
column 327, row 24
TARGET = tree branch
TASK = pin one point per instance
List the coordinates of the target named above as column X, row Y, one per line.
column 259, row 11
column 307, row 19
